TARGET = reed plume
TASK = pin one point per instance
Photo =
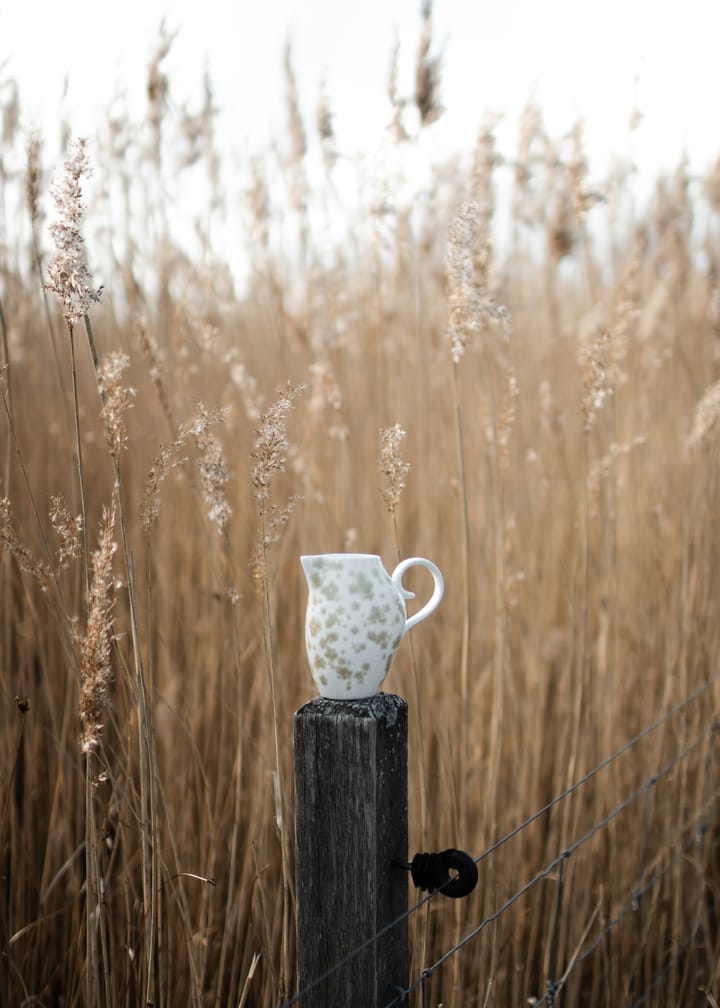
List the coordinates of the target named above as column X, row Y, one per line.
column 392, row 466
column 67, row 529
column 95, row 648
column 116, row 400
column 706, row 421
column 427, row 72
column 68, row 274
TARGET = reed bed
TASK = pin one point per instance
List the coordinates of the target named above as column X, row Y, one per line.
column 541, row 421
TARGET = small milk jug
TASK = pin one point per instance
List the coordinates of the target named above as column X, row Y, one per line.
column 356, row 618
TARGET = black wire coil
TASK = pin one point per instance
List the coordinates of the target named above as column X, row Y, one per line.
column 431, row 872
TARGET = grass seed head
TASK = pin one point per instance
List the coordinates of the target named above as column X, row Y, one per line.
column 270, row 457
column 68, row 530
column 24, row 558
column 392, row 467
column 68, row 275
column 95, row 658
column 213, row 472
column 427, row 73
column 706, row 422
column 116, row 400
column 32, row 176
column 270, row 454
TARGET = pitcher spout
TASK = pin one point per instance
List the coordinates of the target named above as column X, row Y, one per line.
column 309, row 564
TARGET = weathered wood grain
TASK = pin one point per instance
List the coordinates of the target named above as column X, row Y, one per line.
column 351, row 824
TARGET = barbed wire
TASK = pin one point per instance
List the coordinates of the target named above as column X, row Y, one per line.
column 698, row 831
column 549, row 869
column 630, row 744
column 402, row 993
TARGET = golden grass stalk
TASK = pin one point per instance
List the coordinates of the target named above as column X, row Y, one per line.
column 95, row 659
column 270, row 455
column 95, row 672
column 463, row 321
column 114, row 402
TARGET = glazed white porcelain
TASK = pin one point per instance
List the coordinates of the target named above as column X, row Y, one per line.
column 356, row 618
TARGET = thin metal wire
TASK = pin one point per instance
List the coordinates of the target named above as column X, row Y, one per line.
column 557, row 861
column 638, row 896
column 425, row 989
column 601, row 766
column 626, row 747
column 554, row 944
column 357, row 950
column 696, row 835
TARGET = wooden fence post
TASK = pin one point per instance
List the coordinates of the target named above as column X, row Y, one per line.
column 351, row 824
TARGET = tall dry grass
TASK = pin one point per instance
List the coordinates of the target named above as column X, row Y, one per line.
column 561, row 413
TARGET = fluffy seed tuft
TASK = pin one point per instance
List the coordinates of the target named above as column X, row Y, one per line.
column 707, row 417
column 68, row 531
column 392, row 466
column 68, row 275
column 271, row 445
column 116, row 400
column 95, row 661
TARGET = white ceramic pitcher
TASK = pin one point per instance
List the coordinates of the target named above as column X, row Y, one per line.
column 356, row 617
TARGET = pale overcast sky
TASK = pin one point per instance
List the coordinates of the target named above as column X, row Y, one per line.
column 581, row 59
column 594, row 62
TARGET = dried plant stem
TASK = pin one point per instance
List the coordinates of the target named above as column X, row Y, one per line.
column 581, row 645
column 229, row 933
column 7, row 397
column 148, row 765
column 91, row 894
column 246, row 985
column 280, row 806
column 461, row 791
column 418, row 704
column 500, row 644
column 420, row 922
column 95, row 917
column 180, row 897
column 270, row 455
column 5, row 490
column 37, row 258
column 91, row 867
column 394, row 470
column 5, row 806
column 79, row 461
column 95, row 668
column 146, row 738
column 499, row 660
column 8, row 386
column 465, row 644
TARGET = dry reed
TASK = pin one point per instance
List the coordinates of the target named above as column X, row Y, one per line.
column 562, row 471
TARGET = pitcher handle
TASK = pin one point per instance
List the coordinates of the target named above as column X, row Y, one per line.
column 436, row 596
